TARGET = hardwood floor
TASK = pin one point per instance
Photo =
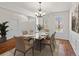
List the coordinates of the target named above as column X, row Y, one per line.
column 10, row 44
column 67, row 47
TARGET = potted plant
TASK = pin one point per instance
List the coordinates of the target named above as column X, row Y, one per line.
column 3, row 31
column 39, row 27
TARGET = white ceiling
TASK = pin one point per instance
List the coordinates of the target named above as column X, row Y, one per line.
column 47, row 7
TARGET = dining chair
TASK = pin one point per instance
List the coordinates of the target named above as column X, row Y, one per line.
column 26, row 38
column 50, row 42
column 21, row 46
column 24, row 32
column 31, row 32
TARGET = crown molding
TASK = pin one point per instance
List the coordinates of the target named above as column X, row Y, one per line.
column 15, row 11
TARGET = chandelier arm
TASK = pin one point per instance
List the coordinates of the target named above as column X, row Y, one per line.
column 39, row 13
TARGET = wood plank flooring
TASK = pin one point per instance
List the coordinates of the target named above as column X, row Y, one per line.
column 10, row 44
column 67, row 47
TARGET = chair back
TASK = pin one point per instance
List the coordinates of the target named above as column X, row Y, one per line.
column 31, row 32
column 24, row 32
column 52, row 39
column 20, row 45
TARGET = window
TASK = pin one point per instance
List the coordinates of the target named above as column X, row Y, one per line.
column 59, row 25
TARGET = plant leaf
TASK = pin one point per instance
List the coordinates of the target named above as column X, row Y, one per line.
column 4, row 23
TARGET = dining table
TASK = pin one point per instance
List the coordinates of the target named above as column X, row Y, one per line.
column 37, row 38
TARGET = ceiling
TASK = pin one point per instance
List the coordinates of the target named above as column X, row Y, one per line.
column 47, row 7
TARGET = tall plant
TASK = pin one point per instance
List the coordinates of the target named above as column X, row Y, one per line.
column 3, row 30
column 39, row 27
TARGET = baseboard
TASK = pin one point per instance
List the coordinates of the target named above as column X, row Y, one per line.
column 9, row 37
column 61, row 38
column 73, row 47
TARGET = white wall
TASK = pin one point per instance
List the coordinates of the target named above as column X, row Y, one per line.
column 17, row 22
column 51, row 22
column 74, row 37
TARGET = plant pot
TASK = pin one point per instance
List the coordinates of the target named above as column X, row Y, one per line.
column 3, row 39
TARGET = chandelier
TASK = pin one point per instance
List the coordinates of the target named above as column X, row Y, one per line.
column 39, row 12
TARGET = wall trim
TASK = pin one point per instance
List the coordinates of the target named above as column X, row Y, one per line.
column 73, row 48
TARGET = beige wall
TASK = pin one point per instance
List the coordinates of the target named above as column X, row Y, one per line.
column 74, row 37
column 17, row 22
column 51, row 23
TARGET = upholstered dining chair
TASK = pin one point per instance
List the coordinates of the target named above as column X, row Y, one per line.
column 21, row 46
column 50, row 42
column 25, row 33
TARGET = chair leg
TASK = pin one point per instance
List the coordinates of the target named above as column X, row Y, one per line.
column 24, row 54
column 14, row 52
column 51, row 50
column 54, row 45
column 33, row 51
column 40, row 46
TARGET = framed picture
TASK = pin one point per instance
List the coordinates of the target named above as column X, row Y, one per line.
column 75, row 19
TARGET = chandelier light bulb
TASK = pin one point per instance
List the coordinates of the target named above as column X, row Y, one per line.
column 39, row 12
